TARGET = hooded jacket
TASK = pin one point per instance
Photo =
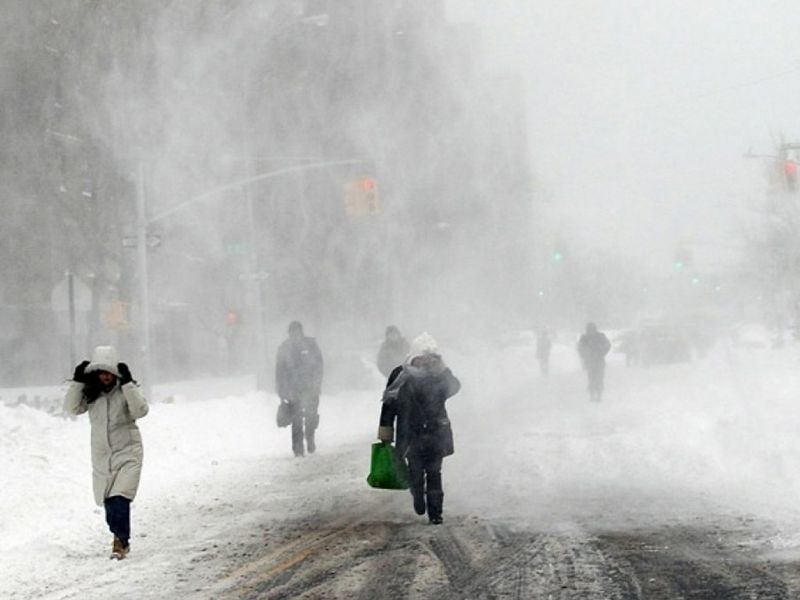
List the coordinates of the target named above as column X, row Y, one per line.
column 415, row 398
column 116, row 442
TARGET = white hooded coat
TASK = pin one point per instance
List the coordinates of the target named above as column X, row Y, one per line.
column 115, row 439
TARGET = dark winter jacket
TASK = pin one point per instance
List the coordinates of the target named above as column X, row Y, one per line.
column 593, row 348
column 416, row 398
column 392, row 353
column 298, row 369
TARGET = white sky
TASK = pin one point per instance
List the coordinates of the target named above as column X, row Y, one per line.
column 640, row 111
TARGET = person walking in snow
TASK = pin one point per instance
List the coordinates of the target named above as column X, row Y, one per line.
column 543, row 346
column 593, row 347
column 104, row 387
column 298, row 378
column 414, row 416
column 392, row 352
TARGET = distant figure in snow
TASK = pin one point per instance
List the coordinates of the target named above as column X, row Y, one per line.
column 415, row 397
column 104, row 387
column 543, row 346
column 298, row 378
column 629, row 346
column 393, row 351
column 593, row 347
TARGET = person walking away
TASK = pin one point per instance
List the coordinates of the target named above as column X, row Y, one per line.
column 104, row 387
column 593, row 347
column 413, row 414
column 393, row 351
column 298, row 377
column 543, row 347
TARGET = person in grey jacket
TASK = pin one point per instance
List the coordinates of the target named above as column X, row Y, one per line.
column 298, row 381
column 105, row 389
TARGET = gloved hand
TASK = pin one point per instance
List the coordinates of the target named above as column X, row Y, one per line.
column 80, row 372
column 124, row 373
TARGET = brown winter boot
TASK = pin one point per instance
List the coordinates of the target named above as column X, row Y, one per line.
column 118, row 550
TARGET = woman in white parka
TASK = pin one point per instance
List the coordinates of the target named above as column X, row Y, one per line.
column 105, row 389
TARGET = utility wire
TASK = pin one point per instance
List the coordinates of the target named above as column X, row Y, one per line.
column 722, row 90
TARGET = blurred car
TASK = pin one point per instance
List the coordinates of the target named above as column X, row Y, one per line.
column 663, row 345
column 752, row 336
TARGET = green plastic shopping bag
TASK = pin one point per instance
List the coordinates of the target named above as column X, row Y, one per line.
column 387, row 471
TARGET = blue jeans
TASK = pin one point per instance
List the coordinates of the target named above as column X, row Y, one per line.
column 118, row 517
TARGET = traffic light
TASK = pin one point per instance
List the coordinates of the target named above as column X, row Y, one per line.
column 116, row 316
column 361, row 197
column 790, row 174
column 790, row 157
column 232, row 318
column 557, row 256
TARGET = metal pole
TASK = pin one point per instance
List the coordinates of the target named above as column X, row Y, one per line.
column 261, row 339
column 71, row 304
column 144, row 294
column 255, row 178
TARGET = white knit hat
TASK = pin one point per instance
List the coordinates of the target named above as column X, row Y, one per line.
column 104, row 358
column 423, row 344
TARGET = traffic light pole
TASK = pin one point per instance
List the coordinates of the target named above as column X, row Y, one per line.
column 142, row 222
column 144, row 290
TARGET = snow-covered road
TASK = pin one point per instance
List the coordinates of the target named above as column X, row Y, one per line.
column 682, row 480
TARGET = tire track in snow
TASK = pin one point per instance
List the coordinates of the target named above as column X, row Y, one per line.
column 305, row 565
column 280, row 561
column 693, row 564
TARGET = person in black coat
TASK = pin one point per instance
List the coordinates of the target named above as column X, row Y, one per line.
column 298, row 379
column 393, row 351
column 415, row 399
column 593, row 347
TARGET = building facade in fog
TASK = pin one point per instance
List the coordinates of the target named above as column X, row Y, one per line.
column 398, row 87
column 211, row 93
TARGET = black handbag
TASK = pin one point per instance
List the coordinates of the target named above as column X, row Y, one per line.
column 284, row 416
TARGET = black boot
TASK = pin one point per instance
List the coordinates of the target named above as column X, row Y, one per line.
column 435, row 503
column 419, row 501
